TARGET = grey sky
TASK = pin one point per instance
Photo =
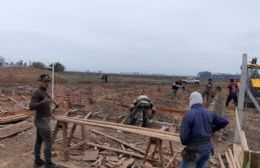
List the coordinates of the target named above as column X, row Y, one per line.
column 151, row 36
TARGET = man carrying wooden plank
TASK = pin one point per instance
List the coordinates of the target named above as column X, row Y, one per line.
column 197, row 127
column 144, row 105
column 41, row 103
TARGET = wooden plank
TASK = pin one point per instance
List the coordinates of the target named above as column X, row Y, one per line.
column 240, row 137
column 171, row 162
column 119, row 141
column 159, row 145
column 238, row 154
column 221, row 161
column 55, row 132
column 124, row 120
column 14, row 129
column 116, row 150
column 108, row 124
column 78, row 145
column 121, row 125
column 90, row 156
column 243, row 141
column 73, row 129
column 232, row 158
column 65, row 140
column 255, row 159
column 98, row 162
column 228, row 160
column 83, row 132
column 164, row 135
column 14, row 118
column 88, row 115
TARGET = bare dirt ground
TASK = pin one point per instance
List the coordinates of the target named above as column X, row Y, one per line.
column 111, row 101
column 251, row 127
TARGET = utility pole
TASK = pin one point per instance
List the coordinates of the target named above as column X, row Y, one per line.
column 242, row 94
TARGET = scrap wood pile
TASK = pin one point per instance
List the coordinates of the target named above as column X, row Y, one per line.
column 109, row 151
column 12, row 120
column 106, row 150
column 13, row 124
column 240, row 156
column 113, row 150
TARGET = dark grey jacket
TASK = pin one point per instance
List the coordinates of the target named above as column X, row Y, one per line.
column 42, row 111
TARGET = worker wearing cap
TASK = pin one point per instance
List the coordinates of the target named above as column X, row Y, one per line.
column 143, row 105
column 41, row 102
column 197, row 127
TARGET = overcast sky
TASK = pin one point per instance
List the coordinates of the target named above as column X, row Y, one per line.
column 150, row 36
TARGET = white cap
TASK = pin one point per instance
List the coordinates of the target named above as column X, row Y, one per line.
column 195, row 98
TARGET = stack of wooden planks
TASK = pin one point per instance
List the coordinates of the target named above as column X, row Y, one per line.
column 14, row 129
column 13, row 118
column 164, row 135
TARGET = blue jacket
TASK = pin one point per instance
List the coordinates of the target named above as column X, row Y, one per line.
column 199, row 124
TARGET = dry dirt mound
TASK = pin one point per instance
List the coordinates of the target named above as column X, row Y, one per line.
column 23, row 75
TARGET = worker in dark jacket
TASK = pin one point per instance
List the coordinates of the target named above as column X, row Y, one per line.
column 208, row 90
column 175, row 87
column 197, row 127
column 233, row 92
column 144, row 105
column 41, row 103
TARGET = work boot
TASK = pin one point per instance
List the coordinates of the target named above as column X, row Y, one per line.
column 38, row 163
column 51, row 165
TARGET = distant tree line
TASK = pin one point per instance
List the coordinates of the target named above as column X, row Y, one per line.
column 219, row 76
column 58, row 67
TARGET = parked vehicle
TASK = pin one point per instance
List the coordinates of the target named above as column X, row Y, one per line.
column 191, row 81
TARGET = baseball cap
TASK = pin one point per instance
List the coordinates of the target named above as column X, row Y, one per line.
column 44, row 78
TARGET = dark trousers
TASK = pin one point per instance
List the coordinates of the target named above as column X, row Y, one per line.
column 135, row 114
column 206, row 95
column 43, row 136
column 201, row 161
column 231, row 97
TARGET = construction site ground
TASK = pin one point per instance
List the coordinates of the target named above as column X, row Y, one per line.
column 110, row 102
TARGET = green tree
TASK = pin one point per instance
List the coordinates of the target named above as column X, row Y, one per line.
column 58, row 67
column 39, row 65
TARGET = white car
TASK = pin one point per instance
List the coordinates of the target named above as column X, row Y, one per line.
column 191, row 81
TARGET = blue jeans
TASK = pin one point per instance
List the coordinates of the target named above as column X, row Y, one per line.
column 201, row 161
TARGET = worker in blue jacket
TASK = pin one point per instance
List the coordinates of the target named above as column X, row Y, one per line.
column 197, row 127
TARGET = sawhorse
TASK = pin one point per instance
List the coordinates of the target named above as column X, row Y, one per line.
column 67, row 139
column 158, row 148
